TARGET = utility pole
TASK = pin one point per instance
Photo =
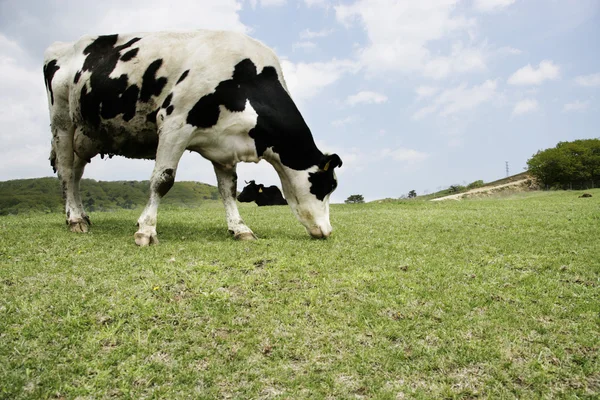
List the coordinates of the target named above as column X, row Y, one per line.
column 506, row 169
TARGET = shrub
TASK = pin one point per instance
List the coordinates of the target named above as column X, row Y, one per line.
column 475, row 185
column 457, row 188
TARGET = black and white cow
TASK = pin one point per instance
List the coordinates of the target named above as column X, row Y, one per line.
column 155, row 95
column 262, row 195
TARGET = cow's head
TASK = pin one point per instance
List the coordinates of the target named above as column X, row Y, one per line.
column 250, row 192
column 308, row 191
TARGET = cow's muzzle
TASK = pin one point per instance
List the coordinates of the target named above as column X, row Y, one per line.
column 319, row 233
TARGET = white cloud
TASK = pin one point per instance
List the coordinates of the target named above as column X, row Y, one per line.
column 509, row 50
column 525, row 106
column 492, row 5
column 338, row 123
column 305, row 80
column 308, row 34
column 405, row 155
column 114, row 16
column 142, row 15
column 576, row 106
column 459, row 99
column 460, row 60
column 366, row 97
column 272, row 3
column 424, row 111
column 426, row 91
column 320, row 3
column 304, row 45
column 399, row 33
column 25, row 133
column 529, row 75
column 591, row 80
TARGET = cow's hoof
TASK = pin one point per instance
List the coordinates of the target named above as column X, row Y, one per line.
column 80, row 225
column 245, row 236
column 144, row 239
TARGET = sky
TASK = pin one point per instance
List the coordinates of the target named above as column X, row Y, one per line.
column 413, row 95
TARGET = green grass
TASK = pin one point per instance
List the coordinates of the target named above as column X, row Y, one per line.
column 482, row 298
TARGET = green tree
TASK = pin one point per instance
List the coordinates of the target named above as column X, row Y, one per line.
column 568, row 165
column 412, row 194
column 355, row 199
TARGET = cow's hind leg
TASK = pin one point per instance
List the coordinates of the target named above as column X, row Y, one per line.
column 227, row 182
column 70, row 169
column 171, row 145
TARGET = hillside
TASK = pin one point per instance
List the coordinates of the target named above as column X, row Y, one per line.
column 484, row 187
column 522, row 182
column 44, row 194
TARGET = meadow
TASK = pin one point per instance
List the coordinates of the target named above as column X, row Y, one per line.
column 492, row 298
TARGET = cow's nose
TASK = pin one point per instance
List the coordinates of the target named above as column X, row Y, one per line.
column 319, row 233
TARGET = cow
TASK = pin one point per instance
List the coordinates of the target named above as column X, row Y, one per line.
column 263, row 196
column 154, row 95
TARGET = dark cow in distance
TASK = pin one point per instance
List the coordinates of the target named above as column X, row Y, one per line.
column 155, row 95
column 263, row 196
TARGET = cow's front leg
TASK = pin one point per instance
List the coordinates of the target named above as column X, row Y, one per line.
column 227, row 183
column 170, row 149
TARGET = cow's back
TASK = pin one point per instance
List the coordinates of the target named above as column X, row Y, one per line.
column 117, row 89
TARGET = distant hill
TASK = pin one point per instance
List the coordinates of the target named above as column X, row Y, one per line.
column 461, row 189
column 45, row 195
column 457, row 189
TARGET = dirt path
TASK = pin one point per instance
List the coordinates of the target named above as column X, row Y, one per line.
column 488, row 189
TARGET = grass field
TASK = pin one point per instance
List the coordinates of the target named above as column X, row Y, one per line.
column 479, row 298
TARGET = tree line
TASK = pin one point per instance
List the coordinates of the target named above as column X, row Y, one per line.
column 45, row 195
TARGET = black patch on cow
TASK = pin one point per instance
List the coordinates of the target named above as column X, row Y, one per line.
column 105, row 97
column 77, row 76
column 279, row 125
column 151, row 117
column 183, row 76
column 49, row 71
column 170, row 110
column 53, row 160
column 130, row 54
column 150, row 85
column 108, row 96
column 322, row 183
column 166, row 181
column 167, row 101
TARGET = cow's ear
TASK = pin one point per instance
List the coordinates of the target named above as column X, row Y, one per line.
column 330, row 161
column 260, row 188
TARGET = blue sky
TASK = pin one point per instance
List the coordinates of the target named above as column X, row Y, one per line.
column 411, row 94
